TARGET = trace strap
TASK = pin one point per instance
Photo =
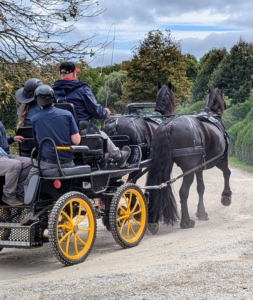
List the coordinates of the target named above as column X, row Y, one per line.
column 164, row 184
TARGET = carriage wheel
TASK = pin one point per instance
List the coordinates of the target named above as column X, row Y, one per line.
column 128, row 215
column 72, row 228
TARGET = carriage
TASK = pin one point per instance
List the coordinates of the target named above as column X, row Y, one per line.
column 68, row 202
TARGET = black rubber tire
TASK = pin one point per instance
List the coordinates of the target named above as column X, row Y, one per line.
column 128, row 217
column 63, row 227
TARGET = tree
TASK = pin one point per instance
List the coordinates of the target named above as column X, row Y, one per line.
column 208, row 63
column 158, row 58
column 111, row 93
column 235, row 73
column 192, row 66
column 37, row 30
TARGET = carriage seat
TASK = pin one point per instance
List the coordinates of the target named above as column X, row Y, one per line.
column 77, row 170
column 91, row 137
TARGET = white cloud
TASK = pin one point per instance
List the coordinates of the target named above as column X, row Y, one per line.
column 199, row 25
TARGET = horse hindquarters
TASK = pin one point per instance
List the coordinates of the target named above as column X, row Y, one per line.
column 162, row 203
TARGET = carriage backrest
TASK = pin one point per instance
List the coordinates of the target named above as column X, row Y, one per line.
column 68, row 106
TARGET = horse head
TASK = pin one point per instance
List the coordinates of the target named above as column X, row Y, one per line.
column 165, row 100
column 215, row 102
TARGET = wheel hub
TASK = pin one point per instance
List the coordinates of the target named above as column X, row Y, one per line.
column 75, row 228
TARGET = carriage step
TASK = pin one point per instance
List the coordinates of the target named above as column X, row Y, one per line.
column 16, row 235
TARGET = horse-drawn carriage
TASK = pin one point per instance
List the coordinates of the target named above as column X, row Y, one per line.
column 64, row 202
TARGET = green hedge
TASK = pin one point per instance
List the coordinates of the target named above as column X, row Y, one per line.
column 190, row 108
column 8, row 114
column 241, row 139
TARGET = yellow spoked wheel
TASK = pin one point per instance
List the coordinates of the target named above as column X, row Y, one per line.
column 72, row 228
column 128, row 215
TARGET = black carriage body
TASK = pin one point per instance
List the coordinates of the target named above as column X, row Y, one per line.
column 101, row 184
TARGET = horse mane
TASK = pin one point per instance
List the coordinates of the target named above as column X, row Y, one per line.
column 215, row 102
column 165, row 100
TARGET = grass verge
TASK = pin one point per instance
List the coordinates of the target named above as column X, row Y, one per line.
column 234, row 162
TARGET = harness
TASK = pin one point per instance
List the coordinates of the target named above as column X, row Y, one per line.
column 113, row 125
column 195, row 150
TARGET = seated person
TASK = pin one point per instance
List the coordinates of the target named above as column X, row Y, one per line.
column 28, row 108
column 57, row 124
column 15, row 169
column 69, row 89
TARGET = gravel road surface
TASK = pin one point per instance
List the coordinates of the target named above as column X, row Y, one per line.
column 213, row 260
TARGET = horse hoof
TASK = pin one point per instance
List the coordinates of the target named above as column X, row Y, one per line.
column 186, row 225
column 202, row 217
column 153, row 227
column 226, row 200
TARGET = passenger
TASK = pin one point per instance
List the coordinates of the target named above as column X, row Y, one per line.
column 69, row 89
column 15, row 169
column 57, row 124
column 28, row 108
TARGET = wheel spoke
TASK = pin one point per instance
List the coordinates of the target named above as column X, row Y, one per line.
column 128, row 230
column 79, row 214
column 132, row 229
column 122, row 226
column 135, row 205
column 64, row 226
column 65, row 236
column 66, row 216
column 136, row 222
column 67, row 244
column 81, row 240
column 71, row 210
column 75, row 243
column 82, row 219
column 84, row 229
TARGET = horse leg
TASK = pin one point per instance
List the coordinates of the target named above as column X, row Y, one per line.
column 186, row 222
column 226, row 194
column 201, row 212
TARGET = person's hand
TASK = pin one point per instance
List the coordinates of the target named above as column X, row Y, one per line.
column 108, row 110
column 18, row 138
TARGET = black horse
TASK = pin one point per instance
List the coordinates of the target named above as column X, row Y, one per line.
column 140, row 130
column 194, row 143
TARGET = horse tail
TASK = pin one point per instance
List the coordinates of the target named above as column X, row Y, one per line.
column 162, row 203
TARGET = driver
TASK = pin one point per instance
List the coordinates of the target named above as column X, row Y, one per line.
column 69, row 89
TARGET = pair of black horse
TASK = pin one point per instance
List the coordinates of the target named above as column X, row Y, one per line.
column 192, row 142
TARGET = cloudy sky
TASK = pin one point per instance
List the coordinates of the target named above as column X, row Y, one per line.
column 200, row 25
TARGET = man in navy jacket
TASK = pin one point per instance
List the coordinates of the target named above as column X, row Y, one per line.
column 69, row 89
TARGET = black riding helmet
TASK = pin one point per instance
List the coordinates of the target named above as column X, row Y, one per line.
column 26, row 94
column 44, row 95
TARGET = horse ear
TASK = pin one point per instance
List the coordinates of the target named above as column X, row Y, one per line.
column 159, row 85
column 169, row 85
column 209, row 90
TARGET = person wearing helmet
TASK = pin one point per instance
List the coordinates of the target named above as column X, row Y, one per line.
column 28, row 107
column 69, row 89
column 57, row 124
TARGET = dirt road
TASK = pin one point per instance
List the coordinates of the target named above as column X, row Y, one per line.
column 213, row 260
